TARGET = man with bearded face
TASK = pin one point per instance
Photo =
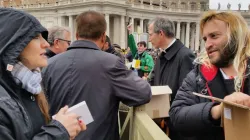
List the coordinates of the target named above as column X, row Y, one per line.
column 227, row 52
column 222, row 71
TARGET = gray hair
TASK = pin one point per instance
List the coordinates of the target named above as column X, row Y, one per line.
column 56, row 32
column 165, row 25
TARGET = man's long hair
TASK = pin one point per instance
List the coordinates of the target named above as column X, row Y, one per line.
column 238, row 34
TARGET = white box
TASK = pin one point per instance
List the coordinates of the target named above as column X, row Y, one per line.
column 159, row 105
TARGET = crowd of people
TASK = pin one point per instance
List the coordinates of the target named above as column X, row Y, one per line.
column 43, row 73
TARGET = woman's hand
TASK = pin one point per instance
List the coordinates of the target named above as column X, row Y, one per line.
column 70, row 122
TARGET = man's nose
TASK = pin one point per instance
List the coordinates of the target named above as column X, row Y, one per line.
column 208, row 44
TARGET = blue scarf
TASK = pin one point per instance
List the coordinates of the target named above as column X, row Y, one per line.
column 30, row 80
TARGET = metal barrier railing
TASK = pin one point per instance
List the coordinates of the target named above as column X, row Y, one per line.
column 141, row 127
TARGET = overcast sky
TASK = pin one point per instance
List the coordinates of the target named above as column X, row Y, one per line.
column 213, row 4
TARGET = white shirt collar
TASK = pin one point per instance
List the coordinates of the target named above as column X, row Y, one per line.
column 224, row 75
column 171, row 43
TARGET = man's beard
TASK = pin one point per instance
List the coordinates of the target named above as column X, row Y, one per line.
column 227, row 56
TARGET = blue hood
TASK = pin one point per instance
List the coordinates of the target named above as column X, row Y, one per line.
column 17, row 29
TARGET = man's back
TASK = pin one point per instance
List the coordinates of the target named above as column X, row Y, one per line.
column 85, row 73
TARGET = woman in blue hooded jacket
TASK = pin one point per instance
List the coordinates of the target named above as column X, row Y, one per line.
column 23, row 106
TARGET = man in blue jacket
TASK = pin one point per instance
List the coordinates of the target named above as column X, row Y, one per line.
column 86, row 73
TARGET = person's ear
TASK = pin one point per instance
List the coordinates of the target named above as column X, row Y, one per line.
column 161, row 33
column 55, row 43
column 77, row 36
column 106, row 46
column 104, row 37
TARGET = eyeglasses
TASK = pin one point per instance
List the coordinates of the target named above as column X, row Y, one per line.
column 69, row 42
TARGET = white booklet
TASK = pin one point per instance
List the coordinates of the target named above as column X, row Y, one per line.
column 81, row 109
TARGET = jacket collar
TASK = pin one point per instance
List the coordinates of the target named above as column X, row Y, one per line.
column 144, row 54
column 209, row 73
column 173, row 49
column 49, row 53
column 83, row 44
column 170, row 44
column 141, row 55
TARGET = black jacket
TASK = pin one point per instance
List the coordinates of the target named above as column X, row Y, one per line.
column 85, row 73
column 129, row 56
column 172, row 67
column 49, row 53
column 190, row 114
column 20, row 115
column 113, row 51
